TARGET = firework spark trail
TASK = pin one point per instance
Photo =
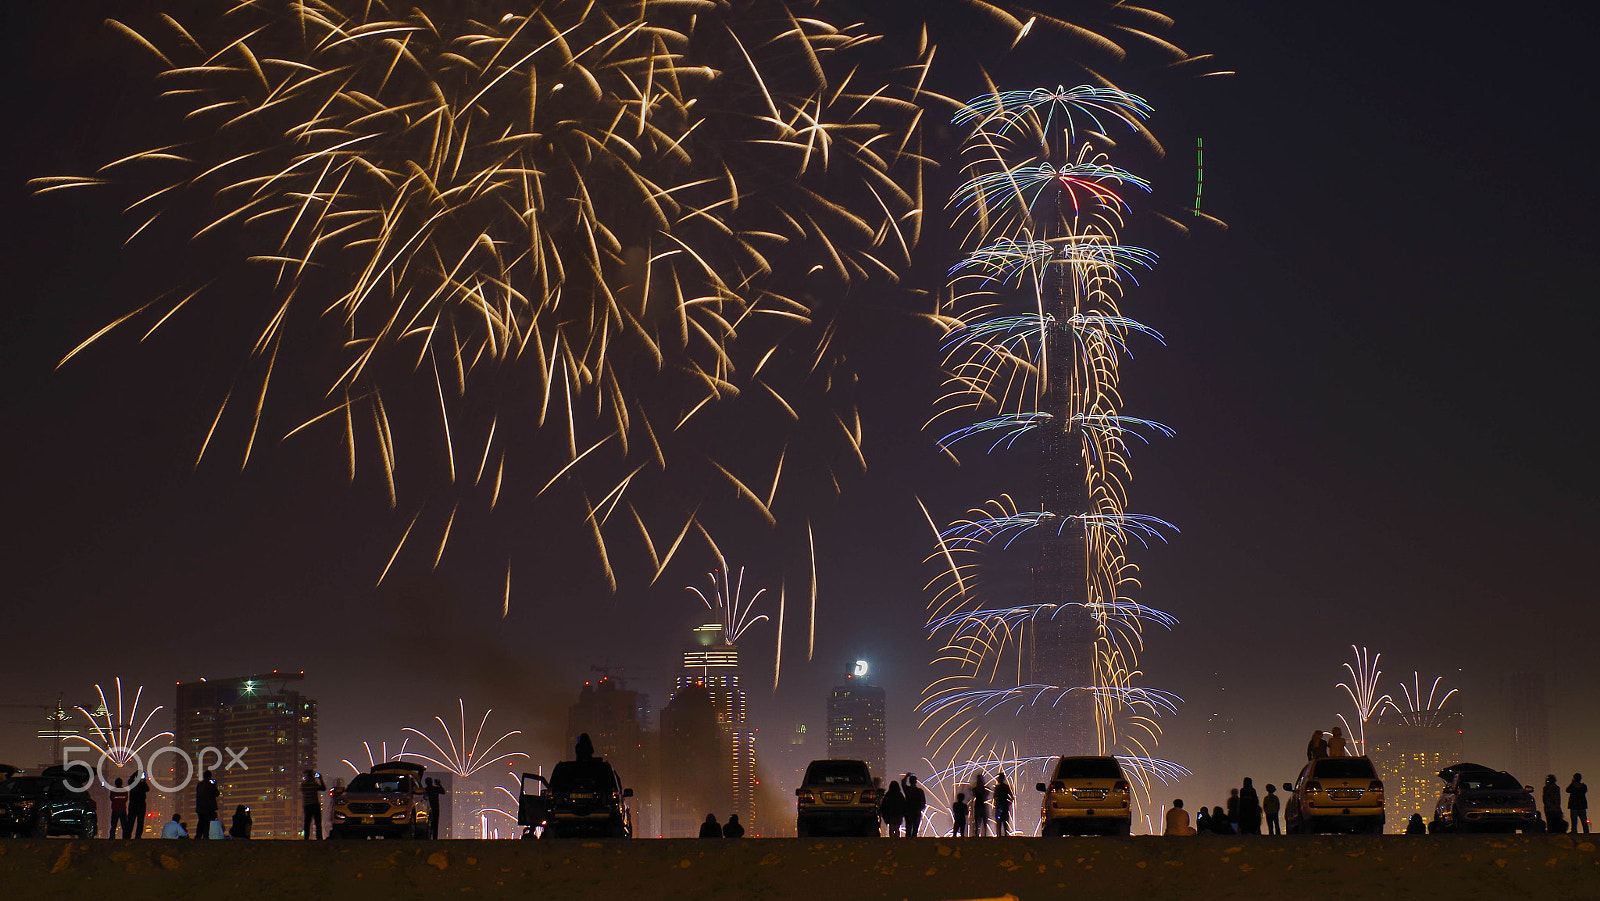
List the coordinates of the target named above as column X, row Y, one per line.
column 1007, row 260
column 461, row 758
column 1415, row 702
column 383, row 755
column 638, row 219
column 120, row 738
column 1046, row 225
column 1363, row 691
column 727, row 602
column 1420, row 709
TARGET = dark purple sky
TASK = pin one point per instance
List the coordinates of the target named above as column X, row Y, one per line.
column 1379, row 375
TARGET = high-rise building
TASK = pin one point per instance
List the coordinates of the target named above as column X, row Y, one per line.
column 857, row 726
column 712, row 664
column 694, row 765
column 1409, row 748
column 256, row 735
column 614, row 719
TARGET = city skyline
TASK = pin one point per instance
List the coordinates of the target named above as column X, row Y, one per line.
column 1351, row 468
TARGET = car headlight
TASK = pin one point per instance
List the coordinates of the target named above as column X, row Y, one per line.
column 402, row 815
column 338, row 815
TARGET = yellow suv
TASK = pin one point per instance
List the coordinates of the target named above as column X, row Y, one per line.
column 1335, row 794
column 391, row 801
column 1088, row 795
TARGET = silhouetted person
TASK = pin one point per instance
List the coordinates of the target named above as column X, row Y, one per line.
column 1269, row 810
column 1233, row 810
column 1336, row 745
column 119, row 810
column 174, row 828
column 1002, row 805
column 1578, row 803
column 732, row 829
column 958, row 813
column 1202, row 821
column 311, row 789
column 1220, row 824
column 434, row 789
column 1177, row 820
column 585, row 747
column 916, row 802
column 1415, row 826
column 1318, row 746
column 1249, row 818
column 980, row 804
column 711, row 828
column 893, row 809
column 206, row 796
column 138, row 793
column 1552, row 805
column 242, row 823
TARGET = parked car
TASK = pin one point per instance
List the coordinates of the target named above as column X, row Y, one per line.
column 390, row 801
column 580, row 798
column 1335, row 794
column 837, row 796
column 55, row 802
column 1476, row 798
column 1086, row 796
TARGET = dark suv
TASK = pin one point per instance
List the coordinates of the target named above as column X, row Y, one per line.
column 55, row 802
column 1478, row 799
column 579, row 798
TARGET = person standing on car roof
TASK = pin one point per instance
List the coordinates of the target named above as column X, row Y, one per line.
column 711, row 828
column 893, row 809
column 1578, row 803
column 958, row 813
column 732, row 829
column 1336, row 744
column 916, row 802
column 1317, row 748
column 1552, row 805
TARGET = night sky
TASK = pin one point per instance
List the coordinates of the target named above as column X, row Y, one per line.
column 1379, row 374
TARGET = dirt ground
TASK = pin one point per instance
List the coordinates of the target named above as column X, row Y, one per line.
column 1544, row 867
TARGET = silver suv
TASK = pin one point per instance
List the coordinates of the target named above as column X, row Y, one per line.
column 1335, row 794
column 837, row 796
column 1478, row 799
column 1088, row 795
